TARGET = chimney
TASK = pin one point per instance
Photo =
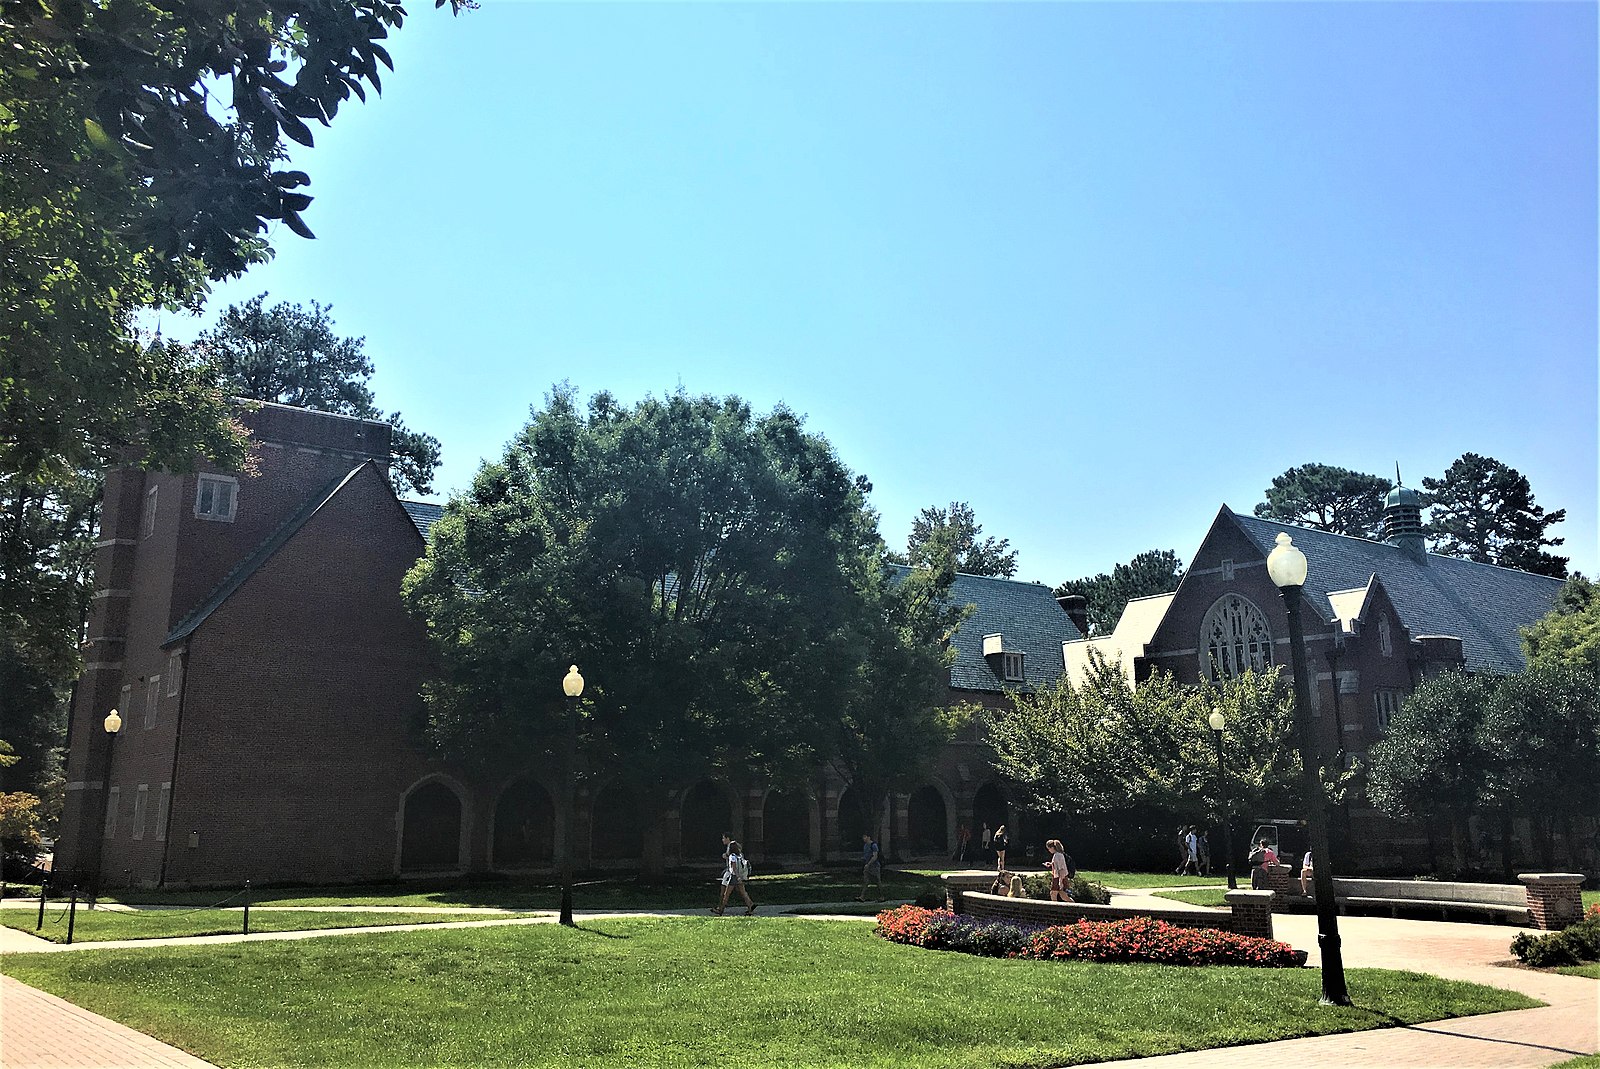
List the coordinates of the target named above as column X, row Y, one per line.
column 1076, row 606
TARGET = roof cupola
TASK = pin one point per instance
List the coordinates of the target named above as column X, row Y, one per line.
column 1402, row 519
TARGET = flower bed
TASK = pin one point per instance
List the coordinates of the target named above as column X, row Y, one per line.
column 1575, row 945
column 1132, row 939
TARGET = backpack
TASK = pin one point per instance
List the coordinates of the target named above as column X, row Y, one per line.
column 741, row 867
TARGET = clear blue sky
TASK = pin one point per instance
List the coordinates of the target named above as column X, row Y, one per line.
column 1094, row 268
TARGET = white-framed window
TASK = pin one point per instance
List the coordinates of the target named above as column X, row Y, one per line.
column 174, row 671
column 141, row 805
column 111, row 812
column 152, row 701
column 1011, row 666
column 216, row 497
column 1386, row 703
column 163, row 810
column 147, row 525
column 1234, row 638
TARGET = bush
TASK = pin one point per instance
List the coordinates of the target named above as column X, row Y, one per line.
column 930, row 900
column 1132, row 939
column 1574, row 945
column 1082, row 889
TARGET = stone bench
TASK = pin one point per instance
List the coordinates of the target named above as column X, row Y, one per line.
column 1543, row 900
column 1249, row 912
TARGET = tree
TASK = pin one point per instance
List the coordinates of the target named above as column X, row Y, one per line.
column 955, row 530
column 1570, row 632
column 1434, row 762
column 1483, row 510
column 716, row 574
column 1103, row 747
column 1155, row 571
column 1326, row 498
column 292, row 356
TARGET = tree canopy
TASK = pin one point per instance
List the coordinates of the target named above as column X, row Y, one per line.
column 293, row 356
column 1483, row 510
column 714, row 572
column 1326, row 498
column 1155, row 571
column 1570, row 632
column 937, row 532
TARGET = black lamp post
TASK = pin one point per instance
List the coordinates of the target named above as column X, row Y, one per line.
column 572, row 686
column 1218, row 722
column 113, row 724
column 1287, row 567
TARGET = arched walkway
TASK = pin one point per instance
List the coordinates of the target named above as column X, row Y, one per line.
column 852, row 823
column 431, row 836
column 988, row 807
column 524, row 826
column 705, row 814
column 786, row 816
column 927, row 822
column 618, row 825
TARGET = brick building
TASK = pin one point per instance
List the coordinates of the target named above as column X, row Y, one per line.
column 249, row 629
column 1379, row 617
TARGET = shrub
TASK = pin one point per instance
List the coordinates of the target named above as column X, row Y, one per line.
column 1572, row 946
column 1132, row 939
column 930, row 900
column 1082, row 889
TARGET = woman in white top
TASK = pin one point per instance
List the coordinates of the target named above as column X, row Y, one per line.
column 733, row 876
column 1305, row 872
column 1059, row 880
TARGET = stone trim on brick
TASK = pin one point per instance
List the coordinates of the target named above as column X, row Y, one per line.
column 1554, row 898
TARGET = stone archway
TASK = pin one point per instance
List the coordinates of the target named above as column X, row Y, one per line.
column 430, row 838
column 704, row 815
column 617, row 828
column 786, row 818
column 851, row 823
column 928, row 822
column 524, row 827
column 988, row 807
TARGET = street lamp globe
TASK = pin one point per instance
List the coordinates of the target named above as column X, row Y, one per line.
column 573, row 683
column 113, row 722
column 1217, row 720
column 1286, row 564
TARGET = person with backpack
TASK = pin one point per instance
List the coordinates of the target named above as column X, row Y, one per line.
column 871, row 865
column 735, row 875
column 1260, row 858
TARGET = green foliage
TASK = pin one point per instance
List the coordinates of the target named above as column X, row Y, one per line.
column 1155, row 571
column 1081, row 887
column 715, row 573
column 1434, row 760
column 1483, row 510
column 1574, row 945
column 1570, row 632
column 1103, row 747
column 1543, row 727
column 292, row 356
column 1326, row 498
column 937, row 533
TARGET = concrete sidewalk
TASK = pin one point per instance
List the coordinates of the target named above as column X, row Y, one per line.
column 39, row 1030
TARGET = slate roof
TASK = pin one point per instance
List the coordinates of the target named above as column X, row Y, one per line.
column 1027, row 614
column 424, row 514
column 1481, row 604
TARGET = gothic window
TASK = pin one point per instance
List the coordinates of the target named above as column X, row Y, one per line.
column 1385, row 636
column 1234, row 638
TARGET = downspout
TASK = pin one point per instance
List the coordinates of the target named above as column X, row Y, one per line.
column 177, row 741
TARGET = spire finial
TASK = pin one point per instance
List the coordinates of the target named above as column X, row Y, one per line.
column 1397, row 481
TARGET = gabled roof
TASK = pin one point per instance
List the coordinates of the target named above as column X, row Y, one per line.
column 251, row 564
column 1483, row 605
column 424, row 514
column 1127, row 642
column 1029, row 617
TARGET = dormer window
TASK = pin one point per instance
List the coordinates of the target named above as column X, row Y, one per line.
column 1012, row 664
column 215, row 497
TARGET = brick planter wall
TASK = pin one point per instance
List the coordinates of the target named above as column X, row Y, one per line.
column 1554, row 898
column 1250, row 912
column 1281, row 882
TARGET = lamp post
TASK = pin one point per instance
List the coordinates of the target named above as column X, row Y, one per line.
column 1287, row 567
column 1218, row 722
column 113, row 724
column 572, row 686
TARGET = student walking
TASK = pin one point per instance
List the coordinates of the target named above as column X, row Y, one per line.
column 1000, row 841
column 871, row 865
column 1191, row 853
column 734, row 875
column 1060, row 872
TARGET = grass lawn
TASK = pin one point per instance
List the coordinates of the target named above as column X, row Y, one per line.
column 98, row 926
column 1120, row 880
column 1590, row 898
column 700, row 992
column 675, row 891
column 1587, row 1061
column 1211, row 896
column 1589, row 969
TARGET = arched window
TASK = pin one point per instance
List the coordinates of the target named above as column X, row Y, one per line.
column 1234, row 638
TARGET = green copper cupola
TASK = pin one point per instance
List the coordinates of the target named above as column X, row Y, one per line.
column 1402, row 519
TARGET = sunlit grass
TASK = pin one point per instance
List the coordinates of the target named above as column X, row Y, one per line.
column 102, row 925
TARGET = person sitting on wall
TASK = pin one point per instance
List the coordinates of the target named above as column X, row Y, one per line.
column 1305, row 873
column 1262, row 856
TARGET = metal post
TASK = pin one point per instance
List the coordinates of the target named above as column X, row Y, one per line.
column 1334, row 992
column 44, row 891
column 246, row 907
column 105, row 820
column 570, row 788
column 1227, row 820
column 72, row 914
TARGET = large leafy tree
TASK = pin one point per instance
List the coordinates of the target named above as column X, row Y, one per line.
column 1102, row 747
column 1327, row 498
column 293, row 355
column 1570, row 632
column 715, row 572
column 1484, row 510
column 1155, row 571
column 936, row 531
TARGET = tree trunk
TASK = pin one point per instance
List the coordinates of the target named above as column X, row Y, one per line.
column 1506, row 822
column 1458, row 844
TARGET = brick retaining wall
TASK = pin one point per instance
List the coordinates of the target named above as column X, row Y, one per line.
column 1250, row 912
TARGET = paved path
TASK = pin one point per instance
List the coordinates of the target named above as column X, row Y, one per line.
column 38, row 1030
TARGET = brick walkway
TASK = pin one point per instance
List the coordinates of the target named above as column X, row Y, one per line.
column 39, row 1030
